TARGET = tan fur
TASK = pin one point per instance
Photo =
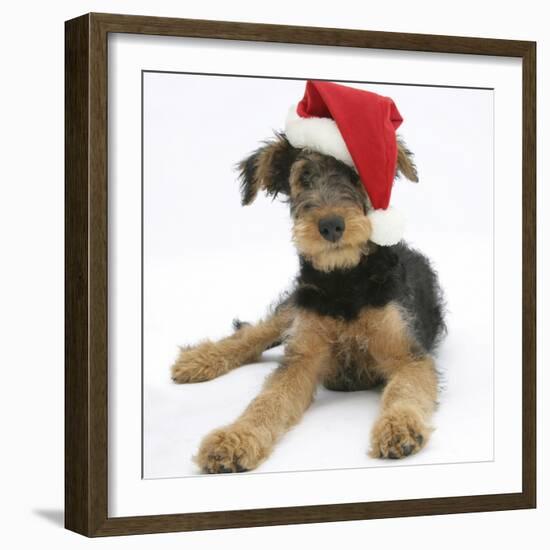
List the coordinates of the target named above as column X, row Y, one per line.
column 410, row 394
column 377, row 347
column 287, row 393
column 263, row 176
column 324, row 255
column 209, row 360
column 404, row 161
column 351, row 368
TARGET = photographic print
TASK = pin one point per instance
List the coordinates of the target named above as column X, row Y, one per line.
column 362, row 213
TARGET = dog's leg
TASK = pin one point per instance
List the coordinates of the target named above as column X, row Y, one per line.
column 209, row 360
column 408, row 401
column 287, row 393
column 409, row 397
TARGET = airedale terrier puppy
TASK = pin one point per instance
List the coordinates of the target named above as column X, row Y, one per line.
column 365, row 309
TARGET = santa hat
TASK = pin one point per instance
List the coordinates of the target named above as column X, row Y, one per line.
column 358, row 128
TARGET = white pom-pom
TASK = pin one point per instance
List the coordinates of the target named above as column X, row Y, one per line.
column 388, row 226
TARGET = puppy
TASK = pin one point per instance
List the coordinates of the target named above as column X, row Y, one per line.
column 360, row 314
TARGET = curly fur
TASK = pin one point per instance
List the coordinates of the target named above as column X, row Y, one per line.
column 387, row 274
column 357, row 316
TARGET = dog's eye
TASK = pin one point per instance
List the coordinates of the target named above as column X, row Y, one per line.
column 306, row 207
column 305, row 176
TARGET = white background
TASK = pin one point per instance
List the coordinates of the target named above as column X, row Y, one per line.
column 32, row 294
column 207, row 260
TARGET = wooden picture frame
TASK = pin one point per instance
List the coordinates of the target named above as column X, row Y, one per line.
column 86, row 283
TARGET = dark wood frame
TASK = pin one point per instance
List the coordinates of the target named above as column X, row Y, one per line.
column 86, row 273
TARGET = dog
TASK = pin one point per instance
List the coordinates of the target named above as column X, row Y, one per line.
column 359, row 315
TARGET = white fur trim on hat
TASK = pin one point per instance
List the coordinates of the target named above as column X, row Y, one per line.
column 388, row 226
column 318, row 134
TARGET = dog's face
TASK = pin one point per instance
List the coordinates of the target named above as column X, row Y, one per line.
column 328, row 201
column 328, row 204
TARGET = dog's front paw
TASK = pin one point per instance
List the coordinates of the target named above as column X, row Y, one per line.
column 230, row 449
column 199, row 364
column 398, row 433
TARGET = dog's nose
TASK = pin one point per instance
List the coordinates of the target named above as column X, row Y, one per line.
column 332, row 228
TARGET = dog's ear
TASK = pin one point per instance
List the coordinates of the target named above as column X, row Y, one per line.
column 405, row 164
column 268, row 168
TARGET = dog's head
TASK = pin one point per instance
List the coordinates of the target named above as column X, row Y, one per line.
column 327, row 199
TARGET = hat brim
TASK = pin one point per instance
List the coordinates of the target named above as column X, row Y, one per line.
column 318, row 134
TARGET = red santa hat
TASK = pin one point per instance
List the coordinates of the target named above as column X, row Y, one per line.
column 356, row 127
